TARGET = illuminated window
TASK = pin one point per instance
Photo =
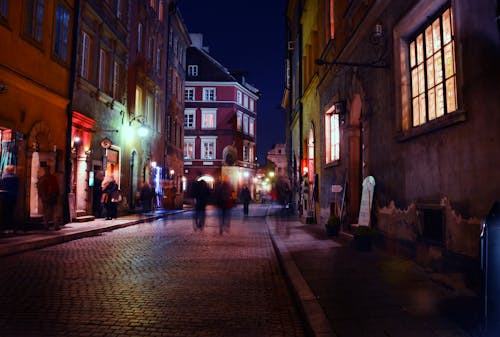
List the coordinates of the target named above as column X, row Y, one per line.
column 138, row 100
column 245, row 124
column 252, row 105
column 189, row 147
column 245, row 101
column 34, row 19
column 61, row 35
column 251, row 154
column 209, row 94
column 192, row 70
column 208, row 148
column 332, row 135
column 208, row 118
column 433, row 71
column 103, row 70
column 149, row 115
column 189, row 94
column 85, row 57
column 239, row 120
column 189, row 118
column 251, row 126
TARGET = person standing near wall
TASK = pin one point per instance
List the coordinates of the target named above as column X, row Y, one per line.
column 48, row 191
column 9, row 187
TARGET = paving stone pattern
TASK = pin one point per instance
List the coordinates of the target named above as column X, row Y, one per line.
column 153, row 279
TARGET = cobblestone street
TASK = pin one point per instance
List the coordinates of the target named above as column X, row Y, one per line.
column 153, row 279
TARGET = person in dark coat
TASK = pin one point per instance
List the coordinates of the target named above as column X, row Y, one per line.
column 146, row 197
column 9, row 187
column 109, row 188
column 200, row 192
column 48, row 191
column 224, row 202
column 245, row 198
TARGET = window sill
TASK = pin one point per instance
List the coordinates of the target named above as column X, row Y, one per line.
column 432, row 126
column 332, row 164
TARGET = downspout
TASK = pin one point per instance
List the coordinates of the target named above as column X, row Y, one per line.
column 69, row 112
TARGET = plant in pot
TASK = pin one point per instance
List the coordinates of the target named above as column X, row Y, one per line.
column 332, row 226
column 363, row 238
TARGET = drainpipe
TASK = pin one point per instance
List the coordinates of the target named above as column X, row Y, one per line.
column 69, row 112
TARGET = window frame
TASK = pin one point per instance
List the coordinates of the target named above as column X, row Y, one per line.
column 432, row 84
column 103, row 80
column 332, row 135
column 35, row 32
column 402, row 32
column 189, row 112
column 209, row 94
column 192, row 70
column 189, row 141
column 251, row 126
column 206, row 112
column 86, row 56
column 62, row 34
column 239, row 120
column 208, row 140
column 189, row 94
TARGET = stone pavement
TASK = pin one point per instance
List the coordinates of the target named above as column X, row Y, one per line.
column 346, row 293
column 340, row 291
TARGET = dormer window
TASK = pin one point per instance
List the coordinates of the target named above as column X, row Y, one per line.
column 193, row 70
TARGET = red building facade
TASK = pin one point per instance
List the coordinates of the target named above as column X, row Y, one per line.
column 220, row 121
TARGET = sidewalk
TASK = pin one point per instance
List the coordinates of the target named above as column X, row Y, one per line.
column 346, row 293
column 35, row 239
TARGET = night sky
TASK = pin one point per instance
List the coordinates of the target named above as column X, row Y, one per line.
column 247, row 35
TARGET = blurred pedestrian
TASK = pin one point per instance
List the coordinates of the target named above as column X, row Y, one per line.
column 9, row 187
column 224, row 202
column 200, row 192
column 245, row 198
column 48, row 191
column 146, row 197
column 97, row 194
column 109, row 191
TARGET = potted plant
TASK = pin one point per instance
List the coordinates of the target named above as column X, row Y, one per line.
column 363, row 238
column 332, row 226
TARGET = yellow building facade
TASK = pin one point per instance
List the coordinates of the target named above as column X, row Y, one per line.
column 35, row 62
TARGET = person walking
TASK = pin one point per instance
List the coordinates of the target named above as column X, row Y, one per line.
column 200, row 192
column 224, row 203
column 9, row 187
column 48, row 191
column 245, row 198
column 109, row 189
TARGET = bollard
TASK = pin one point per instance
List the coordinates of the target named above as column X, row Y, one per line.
column 490, row 267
